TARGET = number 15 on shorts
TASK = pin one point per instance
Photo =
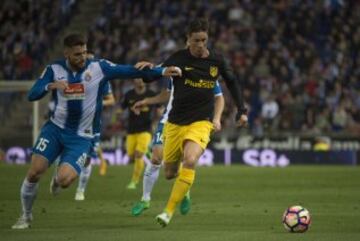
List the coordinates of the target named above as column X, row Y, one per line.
column 42, row 144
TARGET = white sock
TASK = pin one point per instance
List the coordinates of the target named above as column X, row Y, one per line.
column 151, row 175
column 84, row 178
column 28, row 193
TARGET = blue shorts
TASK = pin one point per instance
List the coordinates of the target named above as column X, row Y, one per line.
column 54, row 141
column 158, row 136
column 95, row 144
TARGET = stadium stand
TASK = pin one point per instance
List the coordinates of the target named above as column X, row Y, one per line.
column 298, row 60
column 28, row 29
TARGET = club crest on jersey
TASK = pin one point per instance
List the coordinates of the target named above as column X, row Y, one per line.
column 213, row 71
column 87, row 76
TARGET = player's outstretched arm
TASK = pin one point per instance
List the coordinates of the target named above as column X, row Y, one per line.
column 168, row 71
column 113, row 71
column 40, row 88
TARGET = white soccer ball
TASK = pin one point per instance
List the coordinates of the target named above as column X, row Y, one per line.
column 296, row 219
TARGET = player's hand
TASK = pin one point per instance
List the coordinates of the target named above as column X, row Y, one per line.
column 144, row 64
column 60, row 85
column 136, row 108
column 242, row 120
column 172, row 71
column 217, row 125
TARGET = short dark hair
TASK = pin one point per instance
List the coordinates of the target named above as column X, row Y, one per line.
column 198, row 25
column 74, row 39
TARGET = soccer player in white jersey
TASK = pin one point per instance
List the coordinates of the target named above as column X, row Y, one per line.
column 151, row 173
column 78, row 83
column 108, row 100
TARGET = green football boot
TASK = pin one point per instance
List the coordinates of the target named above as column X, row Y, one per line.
column 185, row 204
column 139, row 207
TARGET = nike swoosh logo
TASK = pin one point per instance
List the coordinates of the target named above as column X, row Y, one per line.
column 188, row 68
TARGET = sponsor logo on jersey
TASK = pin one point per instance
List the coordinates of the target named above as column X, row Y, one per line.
column 75, row 91
column 206, row 84
column 188, row 68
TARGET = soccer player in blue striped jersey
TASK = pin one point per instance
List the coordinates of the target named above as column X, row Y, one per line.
column 78, row 83
column 151, row 173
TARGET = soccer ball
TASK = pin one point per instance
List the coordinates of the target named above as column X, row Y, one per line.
column 296, row 219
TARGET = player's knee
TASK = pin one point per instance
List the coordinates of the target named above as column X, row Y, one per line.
column 38, row 166
column 190, row 159
column 189, row 165
column 170, row 174
column 64, row 180
column 33, row 175
column 156, row 160
column 157, row 155
column 65, row 183
column 138, row 155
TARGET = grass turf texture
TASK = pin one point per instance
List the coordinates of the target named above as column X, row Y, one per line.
column 229, row 203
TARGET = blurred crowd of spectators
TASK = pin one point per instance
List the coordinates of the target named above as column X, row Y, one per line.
column 28, row 28
column 298, row 61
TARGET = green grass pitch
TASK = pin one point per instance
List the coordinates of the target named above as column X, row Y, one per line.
column 229, row 203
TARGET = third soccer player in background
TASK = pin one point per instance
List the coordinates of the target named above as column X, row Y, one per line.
column 138, row 129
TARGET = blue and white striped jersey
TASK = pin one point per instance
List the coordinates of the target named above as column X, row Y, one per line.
column 217, row 92
column 78, row 108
